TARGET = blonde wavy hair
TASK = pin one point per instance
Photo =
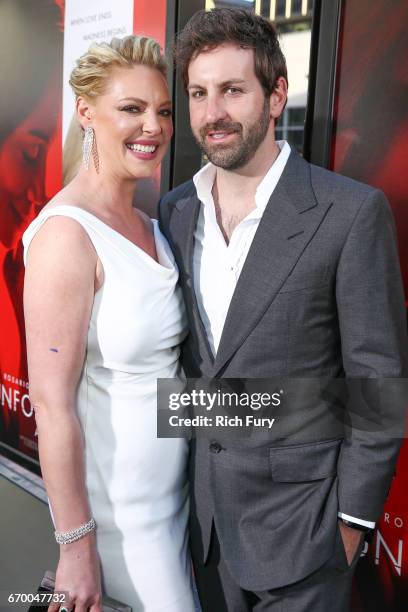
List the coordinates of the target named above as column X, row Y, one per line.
column 88, row 78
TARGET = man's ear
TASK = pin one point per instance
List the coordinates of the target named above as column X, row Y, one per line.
column 84, row 111
column 278, row 98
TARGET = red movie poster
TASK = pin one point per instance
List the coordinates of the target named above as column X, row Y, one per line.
column 30, row 173
column 150, row 23
column 370, row 144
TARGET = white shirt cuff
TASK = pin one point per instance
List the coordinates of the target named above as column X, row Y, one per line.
column 353, row 519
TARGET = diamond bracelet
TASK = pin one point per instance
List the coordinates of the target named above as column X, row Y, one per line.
column 67, row 537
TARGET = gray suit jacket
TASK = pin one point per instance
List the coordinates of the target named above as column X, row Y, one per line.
column 320, row 295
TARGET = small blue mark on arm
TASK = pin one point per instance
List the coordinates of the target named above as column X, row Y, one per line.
column 54, row 350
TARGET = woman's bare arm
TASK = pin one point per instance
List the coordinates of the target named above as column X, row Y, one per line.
column 58, row 297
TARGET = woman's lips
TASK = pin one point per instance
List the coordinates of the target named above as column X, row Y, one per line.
column 143, row 150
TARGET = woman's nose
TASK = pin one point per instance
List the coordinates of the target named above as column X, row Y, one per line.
column 152, row 124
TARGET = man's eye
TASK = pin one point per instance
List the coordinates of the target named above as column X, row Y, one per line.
column 197, row 94
column 234, row 90
column 132, row 109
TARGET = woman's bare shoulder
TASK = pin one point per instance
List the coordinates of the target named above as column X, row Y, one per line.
column 61, row 239
column 60, row 231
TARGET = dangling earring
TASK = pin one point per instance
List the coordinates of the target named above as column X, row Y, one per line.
column 95, row 155
column 88, row 145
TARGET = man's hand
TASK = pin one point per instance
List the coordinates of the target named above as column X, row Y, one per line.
column 351, row 540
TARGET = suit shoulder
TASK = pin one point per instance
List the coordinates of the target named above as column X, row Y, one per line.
column 339, row 182
column 180, row 192
column 343, row 191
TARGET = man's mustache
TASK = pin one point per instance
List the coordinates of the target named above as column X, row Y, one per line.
column 220, row 126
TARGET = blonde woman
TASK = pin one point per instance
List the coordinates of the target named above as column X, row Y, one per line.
column 104, row 318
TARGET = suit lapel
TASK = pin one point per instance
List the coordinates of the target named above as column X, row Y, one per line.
column 182, row 227
column 289, row 222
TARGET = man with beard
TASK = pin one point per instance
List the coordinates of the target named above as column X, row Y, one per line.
column 288, row 270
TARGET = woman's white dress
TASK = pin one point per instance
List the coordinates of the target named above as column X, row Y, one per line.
column 136, row 482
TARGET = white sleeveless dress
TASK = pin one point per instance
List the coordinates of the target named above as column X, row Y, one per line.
column 136, row 483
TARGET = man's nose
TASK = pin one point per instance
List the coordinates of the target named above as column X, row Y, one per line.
column 215, row 109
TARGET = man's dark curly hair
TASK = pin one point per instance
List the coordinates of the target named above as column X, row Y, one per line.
column 209, row 29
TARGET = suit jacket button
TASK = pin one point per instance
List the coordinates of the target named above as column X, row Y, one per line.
column 215, row 447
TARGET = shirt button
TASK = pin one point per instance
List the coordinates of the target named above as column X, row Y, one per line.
column 215, row 447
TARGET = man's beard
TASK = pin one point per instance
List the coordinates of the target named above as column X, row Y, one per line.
column 238, row 154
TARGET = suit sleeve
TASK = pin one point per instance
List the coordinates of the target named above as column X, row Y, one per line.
column 372, row 320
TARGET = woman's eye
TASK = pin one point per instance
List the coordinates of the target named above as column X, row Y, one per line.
column 166, row 112
column 132, row 109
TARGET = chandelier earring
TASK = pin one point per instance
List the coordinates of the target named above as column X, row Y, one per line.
column 88, row 146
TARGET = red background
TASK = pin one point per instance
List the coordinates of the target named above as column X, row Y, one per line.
column 370, row 144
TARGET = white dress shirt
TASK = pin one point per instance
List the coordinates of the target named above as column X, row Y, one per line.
column 217, row 265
